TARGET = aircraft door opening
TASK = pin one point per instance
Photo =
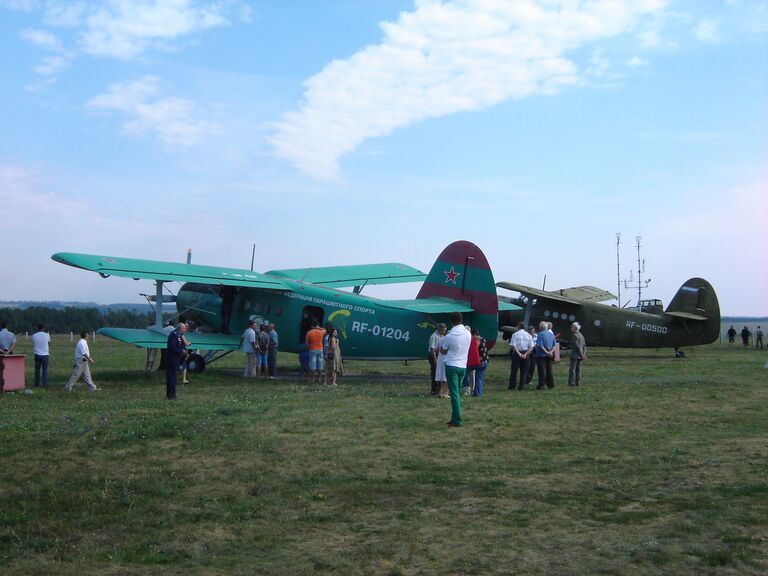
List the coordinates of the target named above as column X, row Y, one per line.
column 309, row 316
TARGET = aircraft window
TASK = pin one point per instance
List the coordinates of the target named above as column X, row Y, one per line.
column 257, row 307
column 278, row 311
column 597, row 322
column 268, row 310
column 247, row 305
column 546, row 313
column 572, row 318
column 555, row 315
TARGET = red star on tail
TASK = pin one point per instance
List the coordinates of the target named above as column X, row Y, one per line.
column 451, row 275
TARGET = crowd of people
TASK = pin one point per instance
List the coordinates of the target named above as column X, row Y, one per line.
column 458, row 357
column 746, row 334
column 320, row 354
column 463, row 351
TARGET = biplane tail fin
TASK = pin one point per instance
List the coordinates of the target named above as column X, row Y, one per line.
column 462, row 272
column 696, row 301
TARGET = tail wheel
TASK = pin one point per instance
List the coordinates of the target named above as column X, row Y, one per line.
column 195, row 363
column 679, row 354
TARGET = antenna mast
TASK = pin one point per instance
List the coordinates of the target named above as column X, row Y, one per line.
column 640, row 269
column 618, row 268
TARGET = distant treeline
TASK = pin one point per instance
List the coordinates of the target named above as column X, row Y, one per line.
column 60, row 305
column 70, row 319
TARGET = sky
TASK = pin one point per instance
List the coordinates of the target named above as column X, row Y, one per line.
column 348, row 132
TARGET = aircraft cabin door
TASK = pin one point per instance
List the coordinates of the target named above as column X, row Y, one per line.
column 309, row 316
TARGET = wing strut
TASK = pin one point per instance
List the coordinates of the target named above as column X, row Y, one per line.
column 159, row 304
column 528, row 309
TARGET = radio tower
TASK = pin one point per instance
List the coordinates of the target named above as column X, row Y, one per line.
column 640, row 269
column 618, row 268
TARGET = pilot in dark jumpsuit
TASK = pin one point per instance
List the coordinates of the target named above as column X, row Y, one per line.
column 174, row 358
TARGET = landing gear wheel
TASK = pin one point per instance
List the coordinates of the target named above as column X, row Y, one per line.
column 195, row 363
column 679, row 354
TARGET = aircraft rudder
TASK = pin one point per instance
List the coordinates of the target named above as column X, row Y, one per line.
column 462, row 272
column 697, row 296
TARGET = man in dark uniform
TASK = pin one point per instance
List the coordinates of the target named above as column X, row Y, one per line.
column 745, row 334
column 174, row 357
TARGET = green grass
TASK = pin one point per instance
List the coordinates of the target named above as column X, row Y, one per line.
column 653, row 466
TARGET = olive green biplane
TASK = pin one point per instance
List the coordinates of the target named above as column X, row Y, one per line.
column 692, row 318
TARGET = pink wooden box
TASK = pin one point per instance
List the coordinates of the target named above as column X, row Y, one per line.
column 13, row 374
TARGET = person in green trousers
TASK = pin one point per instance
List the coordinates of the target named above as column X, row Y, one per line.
column 455, row 347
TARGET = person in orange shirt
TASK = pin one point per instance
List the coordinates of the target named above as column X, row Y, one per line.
column 314, row 341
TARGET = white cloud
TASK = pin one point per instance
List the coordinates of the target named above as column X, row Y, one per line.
column 708, row 30
column 175, row 122
column 637, row 62
column 443, row 58
column 743, row 205
column 64, row 14
column 35, row 212
column 53, row 65
column 120, row 29
column 126, row 28
column 41, row 38
column 598, row 64
column 22, row 5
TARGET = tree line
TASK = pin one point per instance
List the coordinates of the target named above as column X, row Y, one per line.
column 71, row 319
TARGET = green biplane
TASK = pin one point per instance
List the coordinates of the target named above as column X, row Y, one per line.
column 224, row 300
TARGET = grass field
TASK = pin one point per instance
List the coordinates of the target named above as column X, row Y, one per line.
column 653, row 466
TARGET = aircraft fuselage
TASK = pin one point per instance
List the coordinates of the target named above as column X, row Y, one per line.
column 367, row 328
column 604, row 325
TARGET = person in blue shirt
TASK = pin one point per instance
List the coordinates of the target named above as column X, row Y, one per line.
column 272, row 351
column 545, row 345
column 176, row 349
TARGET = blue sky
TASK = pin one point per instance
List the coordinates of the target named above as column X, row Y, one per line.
column 346, row 132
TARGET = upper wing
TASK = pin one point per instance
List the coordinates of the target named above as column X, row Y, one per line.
column 358, row 275
column 148, row 338
column 586, row 294
column 536, row 293
column 577, row 295
column 429, row 305
column 168, row 271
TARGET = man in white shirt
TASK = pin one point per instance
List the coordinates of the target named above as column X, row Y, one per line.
column 455, row 347
column 40, row 341
column 520, row 348
column 7, row 340
column 81, row 368
column 250, row 347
